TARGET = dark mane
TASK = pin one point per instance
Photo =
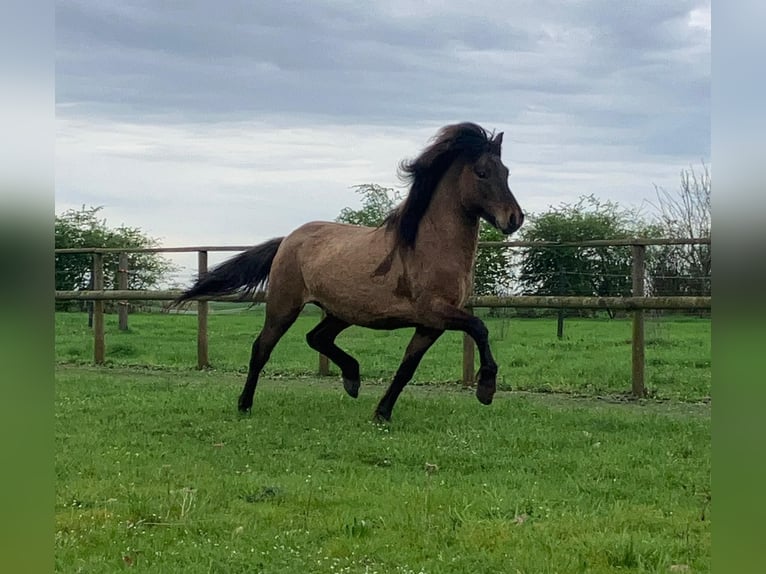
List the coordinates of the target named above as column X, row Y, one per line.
column 466, row 141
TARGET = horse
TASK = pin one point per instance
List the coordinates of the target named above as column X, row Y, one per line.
column 414, row 270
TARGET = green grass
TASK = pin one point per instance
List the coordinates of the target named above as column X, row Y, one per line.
column 594, row 357
column 157, row 473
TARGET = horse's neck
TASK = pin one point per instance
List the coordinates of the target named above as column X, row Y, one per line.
column 447, row 232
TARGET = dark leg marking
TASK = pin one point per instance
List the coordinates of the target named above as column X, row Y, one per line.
column 420, row 343
column 458, row 320
column 272, row 332
column 322, row 339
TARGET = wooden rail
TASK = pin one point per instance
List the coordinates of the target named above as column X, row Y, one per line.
column 637, row 303
column 488, row 301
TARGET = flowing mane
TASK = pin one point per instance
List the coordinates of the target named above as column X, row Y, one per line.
column 466, row 141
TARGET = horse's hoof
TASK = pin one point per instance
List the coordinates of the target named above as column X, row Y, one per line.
column 351, row 386
column 243, row 407
column 381, row 418
column 485, row 394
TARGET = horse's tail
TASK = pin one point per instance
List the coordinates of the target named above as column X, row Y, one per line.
column 245, row 272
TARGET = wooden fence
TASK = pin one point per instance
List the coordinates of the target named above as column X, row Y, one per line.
column 637, row 303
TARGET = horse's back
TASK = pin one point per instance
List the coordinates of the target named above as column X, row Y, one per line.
column 325, row 243
column 335, row 266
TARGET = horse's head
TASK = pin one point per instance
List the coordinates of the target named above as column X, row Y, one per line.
column 485, row 192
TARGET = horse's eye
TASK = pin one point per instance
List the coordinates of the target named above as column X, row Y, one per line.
column 481, row 174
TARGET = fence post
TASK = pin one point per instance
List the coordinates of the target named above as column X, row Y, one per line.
column 324, row 366
column 122, row 283
column 202, row 309
column 639, row 267
column 324, row 362
column 560, row 322
column 98, row 310
column 89, row 304
column 469, row 350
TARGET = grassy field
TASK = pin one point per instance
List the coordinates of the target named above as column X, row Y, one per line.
column 593, row 358
column 157, row 473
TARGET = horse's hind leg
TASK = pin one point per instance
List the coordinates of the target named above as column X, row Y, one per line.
column 277, row 322
column 322, row 339
column 420, row 343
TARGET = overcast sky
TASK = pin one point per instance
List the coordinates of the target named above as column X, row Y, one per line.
column 233, row 122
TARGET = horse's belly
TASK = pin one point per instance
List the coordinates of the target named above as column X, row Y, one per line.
column 365, row 303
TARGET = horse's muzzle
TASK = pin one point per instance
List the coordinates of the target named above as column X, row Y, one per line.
column 514, row 223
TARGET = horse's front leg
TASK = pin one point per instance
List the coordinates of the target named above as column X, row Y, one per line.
column 420, row 343
column 449, row 317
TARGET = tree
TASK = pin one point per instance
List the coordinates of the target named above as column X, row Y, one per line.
column 685, row 213
column 78, row 228
column 491, row 272
column 584, row 271
column 377, row 203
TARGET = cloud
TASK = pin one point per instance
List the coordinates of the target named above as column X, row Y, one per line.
column 389, row 64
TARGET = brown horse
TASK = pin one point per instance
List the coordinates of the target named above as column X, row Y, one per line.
column 415, row 270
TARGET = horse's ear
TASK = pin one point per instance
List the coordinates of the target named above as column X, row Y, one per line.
column 497, row 143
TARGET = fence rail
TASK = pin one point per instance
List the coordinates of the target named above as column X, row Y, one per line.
column 637, row 303
column 488, row 301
